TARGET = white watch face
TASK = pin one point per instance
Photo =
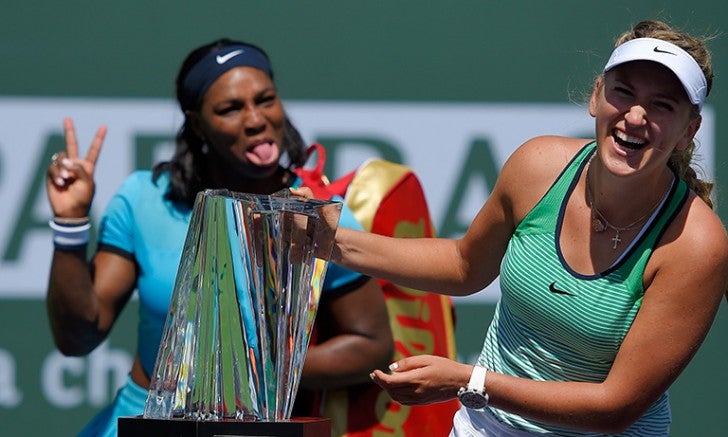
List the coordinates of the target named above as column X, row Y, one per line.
column 473, row 400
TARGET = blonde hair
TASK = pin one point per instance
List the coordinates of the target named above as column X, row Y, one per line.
column 680, row 160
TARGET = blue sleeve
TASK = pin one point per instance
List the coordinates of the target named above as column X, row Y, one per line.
column 339, row 279
column 117, row 223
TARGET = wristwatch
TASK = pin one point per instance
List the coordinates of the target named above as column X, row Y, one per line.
column 474, row 395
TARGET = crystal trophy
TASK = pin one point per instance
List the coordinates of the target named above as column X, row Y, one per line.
column 243, row 307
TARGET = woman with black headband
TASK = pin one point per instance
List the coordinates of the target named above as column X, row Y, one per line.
column 612, row 263
column 235, row 136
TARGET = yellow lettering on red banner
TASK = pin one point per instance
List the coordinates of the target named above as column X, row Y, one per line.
column 393, row 417
column 387, row 199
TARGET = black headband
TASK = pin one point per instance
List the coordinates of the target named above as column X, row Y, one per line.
column 213, row 65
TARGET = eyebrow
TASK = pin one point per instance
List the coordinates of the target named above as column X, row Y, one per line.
column 257, row 95
column 665, row 96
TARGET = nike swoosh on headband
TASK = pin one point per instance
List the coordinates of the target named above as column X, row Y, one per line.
column 224, row 58
column 553, row 289
column 658, row 50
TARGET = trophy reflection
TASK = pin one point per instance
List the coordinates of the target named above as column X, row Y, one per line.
column 243, row 307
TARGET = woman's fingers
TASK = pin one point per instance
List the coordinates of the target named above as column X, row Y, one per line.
column 66, row 166
column 59, row 170
column 70, row 135
column 93, row 152
column 63, row 172
column 304, row 192
column 421, row 379
column 72, row 142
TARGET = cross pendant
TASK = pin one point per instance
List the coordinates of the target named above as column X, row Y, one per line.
column 616, row 240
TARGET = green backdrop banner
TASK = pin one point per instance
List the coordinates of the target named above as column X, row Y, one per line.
column 443, row 87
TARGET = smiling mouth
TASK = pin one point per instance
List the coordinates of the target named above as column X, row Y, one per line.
column 628, row 142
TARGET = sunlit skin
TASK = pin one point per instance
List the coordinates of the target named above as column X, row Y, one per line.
column 642, row 114
column 242, row 120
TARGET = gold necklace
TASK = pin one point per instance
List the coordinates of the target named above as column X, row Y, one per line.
column 600, row 223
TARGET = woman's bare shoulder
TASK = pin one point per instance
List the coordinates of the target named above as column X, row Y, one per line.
column 702, row 233
column 532, row 169
column 695, row 248
column 541, row 159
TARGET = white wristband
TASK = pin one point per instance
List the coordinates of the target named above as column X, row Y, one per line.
column 70, row 236
column 477, row 379
column 474, row 395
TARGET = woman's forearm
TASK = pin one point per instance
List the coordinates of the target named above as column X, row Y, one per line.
column 73, row 308
column 342, row 361
column 419, row 263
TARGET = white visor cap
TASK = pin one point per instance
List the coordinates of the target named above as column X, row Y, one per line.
column 671, row 56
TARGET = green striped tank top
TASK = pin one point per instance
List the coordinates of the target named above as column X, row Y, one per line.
column 555, row 324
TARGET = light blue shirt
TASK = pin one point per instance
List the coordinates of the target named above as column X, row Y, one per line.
column 140, row 224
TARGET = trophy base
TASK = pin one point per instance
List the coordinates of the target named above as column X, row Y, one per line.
column 295, row 427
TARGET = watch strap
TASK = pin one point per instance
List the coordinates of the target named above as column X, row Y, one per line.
column 477, row 379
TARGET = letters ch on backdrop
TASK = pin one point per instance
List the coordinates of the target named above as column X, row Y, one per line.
column 456, row 166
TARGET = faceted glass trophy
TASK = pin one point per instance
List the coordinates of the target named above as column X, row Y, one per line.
column 243, row 307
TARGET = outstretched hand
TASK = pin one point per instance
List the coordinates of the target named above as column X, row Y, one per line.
column 303, row 192
column 70, row 179
column 423, row 379
column 327, row 226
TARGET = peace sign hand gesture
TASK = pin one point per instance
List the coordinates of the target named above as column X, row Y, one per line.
column 70, row 179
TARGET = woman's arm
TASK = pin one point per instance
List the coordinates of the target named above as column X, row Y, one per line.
column 419, row 263
column 452, row 266
column 356, row 339
column 82, row 300
column 685, row 281
column 463, row 266
column 82, row 307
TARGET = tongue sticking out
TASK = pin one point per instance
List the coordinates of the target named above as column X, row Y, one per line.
column 262, row 153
